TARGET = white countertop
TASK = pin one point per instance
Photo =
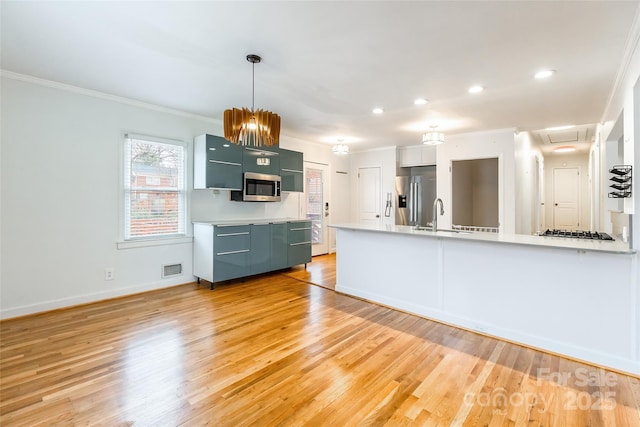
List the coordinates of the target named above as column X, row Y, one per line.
column 608, row 246
column 251, row 221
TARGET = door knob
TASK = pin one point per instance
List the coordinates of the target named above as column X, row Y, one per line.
column 377, row 216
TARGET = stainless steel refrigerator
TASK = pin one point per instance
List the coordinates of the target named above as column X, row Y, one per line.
column 415, row 193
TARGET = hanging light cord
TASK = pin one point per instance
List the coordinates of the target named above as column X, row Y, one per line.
column 253, row 86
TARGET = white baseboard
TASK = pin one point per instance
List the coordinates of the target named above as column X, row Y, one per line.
column 543, row 344
column 24, row 310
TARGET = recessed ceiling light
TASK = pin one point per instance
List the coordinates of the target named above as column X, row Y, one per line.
column 543, row 74
column 420, row 101
column 565, row 149
column 476, row 89
column 560, row 127
column 378, row 110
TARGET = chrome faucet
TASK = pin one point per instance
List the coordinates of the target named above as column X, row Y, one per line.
column 435, row 212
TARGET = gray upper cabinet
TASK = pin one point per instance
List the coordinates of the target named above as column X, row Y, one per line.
column 291, row 166
column 261, row 160
column 217, row 163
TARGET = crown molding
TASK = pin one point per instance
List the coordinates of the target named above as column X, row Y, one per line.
column 101, row 95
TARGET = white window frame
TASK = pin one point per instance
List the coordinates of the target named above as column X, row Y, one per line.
column 133, row 242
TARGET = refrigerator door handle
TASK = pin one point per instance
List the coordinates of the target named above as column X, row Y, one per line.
column 417, row 203
column 414, row 203
column 410, row 203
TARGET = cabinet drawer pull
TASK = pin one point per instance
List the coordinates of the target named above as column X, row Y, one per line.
column 232, row 252
column 298, row 244
column 298, row 229
column 232, row 234
column 225, row 163
column 291, row 170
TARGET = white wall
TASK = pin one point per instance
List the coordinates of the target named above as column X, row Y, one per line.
column 526, row 174
column 340, row 207
column 60, row 202
column 480, row 145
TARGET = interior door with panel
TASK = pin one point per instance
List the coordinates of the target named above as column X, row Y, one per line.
column 317, row 205
column 369, row 196
column 566, row 198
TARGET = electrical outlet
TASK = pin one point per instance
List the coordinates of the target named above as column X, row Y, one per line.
column 108, row 273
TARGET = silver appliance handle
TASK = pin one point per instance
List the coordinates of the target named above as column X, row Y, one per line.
column 417, row 204
column 414, row 201
column 410, row 203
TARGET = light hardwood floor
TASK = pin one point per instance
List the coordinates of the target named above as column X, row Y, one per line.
column 274, row 350
column 320, row 271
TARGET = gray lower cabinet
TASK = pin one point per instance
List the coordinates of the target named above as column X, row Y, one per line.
column 231, row 251
column 299, row 241
column 279, row 245
column 221, row 252
column 260, row 248
column 224, row 252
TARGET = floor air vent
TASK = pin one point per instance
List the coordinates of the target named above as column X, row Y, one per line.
column 171, row 270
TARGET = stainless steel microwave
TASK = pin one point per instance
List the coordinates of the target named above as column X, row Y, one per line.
column 258, row 187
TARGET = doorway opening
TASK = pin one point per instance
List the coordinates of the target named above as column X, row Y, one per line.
column 317, row 205
column 475, row 194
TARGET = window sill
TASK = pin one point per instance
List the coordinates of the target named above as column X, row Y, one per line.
column 162, row 241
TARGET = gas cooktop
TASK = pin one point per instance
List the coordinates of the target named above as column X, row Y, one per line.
column 589, row 235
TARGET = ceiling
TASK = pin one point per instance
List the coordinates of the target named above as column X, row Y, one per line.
column 326, row 65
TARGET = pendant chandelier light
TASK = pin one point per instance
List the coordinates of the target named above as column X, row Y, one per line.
column 252, row 127
column 433, row 137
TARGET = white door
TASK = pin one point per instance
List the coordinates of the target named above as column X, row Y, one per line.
column 566, row 198
column 316, row 190
column 369, row 195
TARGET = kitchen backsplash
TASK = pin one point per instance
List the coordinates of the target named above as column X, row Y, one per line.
column 214, row 205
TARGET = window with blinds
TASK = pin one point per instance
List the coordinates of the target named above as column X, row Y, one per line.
column 154, row 187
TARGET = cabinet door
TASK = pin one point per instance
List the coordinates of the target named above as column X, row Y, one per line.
column 258, row 160
column 299, row 241
column 231, row 250
column 279, row 254
column 411, row 156
column 217, row 163
column 418, row 155
column 260, row 248
column 428, row 155
column 291, row 164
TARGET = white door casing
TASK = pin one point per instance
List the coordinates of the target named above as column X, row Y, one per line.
column 369, row 195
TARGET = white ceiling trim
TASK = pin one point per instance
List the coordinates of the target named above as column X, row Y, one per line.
column 105, row 96
column 625, row 66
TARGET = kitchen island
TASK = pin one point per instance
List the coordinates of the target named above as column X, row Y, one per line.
column 573, row 297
